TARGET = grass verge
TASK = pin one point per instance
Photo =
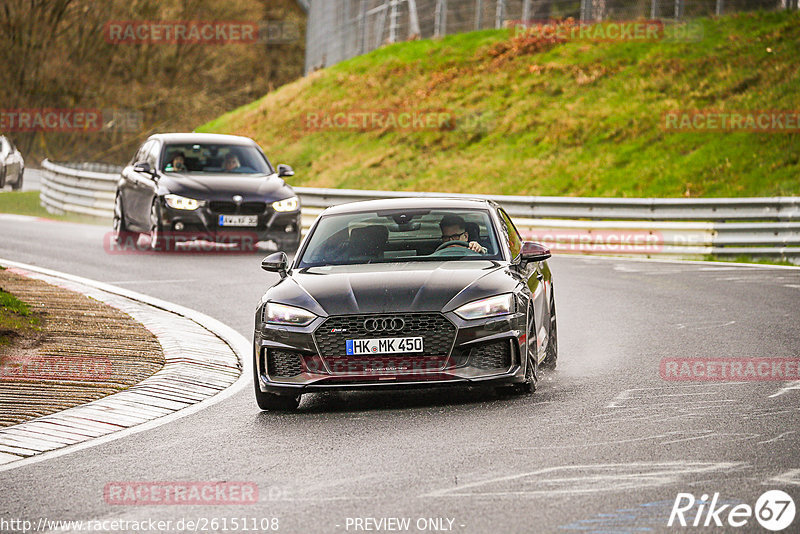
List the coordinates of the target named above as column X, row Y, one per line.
column 27, row 203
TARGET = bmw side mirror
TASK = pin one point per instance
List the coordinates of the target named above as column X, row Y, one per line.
column 285, row 171
column 276, row 263
column 534, row 252
column 143, row 167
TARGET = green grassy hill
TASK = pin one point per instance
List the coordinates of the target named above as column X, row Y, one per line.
column 542, row 118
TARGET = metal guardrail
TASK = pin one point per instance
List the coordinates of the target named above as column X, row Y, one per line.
column 662, row 227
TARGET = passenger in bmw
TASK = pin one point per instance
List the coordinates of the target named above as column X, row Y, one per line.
column 454, row 231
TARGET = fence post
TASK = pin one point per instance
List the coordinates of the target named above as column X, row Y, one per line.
column 526, row 11
column 584, row 14
column 478, row 14
column 440, row 19
column 678, row 9
column 362, row 21
column 500, row 14
column 413, row 20
column 393, row 21
column 720, row 7
column 653, row 9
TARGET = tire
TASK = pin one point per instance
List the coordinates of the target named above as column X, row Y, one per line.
column 119, row 229
column 270, row 401
column 157, row 241
column 528, row 387
column 18, row 184
column 551, row 353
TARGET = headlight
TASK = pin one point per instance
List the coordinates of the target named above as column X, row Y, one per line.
column 287, row 315
column 288, row 204
column 491, row 307
column 182, row 203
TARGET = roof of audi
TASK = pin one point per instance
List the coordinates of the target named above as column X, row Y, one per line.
column 409, row 204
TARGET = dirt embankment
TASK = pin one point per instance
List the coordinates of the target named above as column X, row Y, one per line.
column 81, row 350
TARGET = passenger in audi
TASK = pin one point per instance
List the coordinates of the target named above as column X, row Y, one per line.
column 454, row 230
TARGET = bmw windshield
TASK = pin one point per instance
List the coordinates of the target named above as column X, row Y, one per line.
column 401, row 236
column 214, row 159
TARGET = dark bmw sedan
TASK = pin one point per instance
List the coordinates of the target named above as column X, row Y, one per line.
column 406, row 293
column 205, row 186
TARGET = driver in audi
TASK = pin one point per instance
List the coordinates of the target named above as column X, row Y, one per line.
column 454, row 229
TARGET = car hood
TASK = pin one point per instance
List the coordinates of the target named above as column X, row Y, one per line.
column 224, row 186
column 392, row 287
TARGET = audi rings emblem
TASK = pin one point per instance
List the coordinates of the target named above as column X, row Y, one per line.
column 384, row 324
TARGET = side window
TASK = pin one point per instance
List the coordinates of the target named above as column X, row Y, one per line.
column 514, row 239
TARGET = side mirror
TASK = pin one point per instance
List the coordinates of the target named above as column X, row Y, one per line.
column 143, row 167
column 276, row 263
column 285, row 171
column 534, row 252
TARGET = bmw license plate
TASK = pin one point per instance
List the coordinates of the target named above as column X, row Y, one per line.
column 238, row 220
column 395, row 345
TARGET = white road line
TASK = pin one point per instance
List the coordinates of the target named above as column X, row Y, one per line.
column 133, row 282
column 777, row 438
column 582, row 479
column 791, row 477
column 786, row 388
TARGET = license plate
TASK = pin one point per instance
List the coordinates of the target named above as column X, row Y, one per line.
column 393, row 345
column 238, row 220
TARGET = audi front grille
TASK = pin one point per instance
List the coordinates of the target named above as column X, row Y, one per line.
column 436, row 331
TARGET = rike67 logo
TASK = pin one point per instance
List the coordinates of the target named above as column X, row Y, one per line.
column 774, row 510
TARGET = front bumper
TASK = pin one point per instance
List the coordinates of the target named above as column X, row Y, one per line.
column 204, row 223
column 296, row 360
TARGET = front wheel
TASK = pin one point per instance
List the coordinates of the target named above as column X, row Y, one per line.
column 272, row 402
column 157, row 241
column 18, row 184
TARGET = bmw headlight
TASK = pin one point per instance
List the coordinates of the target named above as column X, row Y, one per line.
column 491, row 307
column 287, row 204
column 287, row 315
column 182, row 203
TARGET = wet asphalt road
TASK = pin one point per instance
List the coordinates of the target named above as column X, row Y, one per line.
column 604, row 445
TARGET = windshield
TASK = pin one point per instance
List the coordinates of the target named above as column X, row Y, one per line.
column 216, row 159
column 401, row 236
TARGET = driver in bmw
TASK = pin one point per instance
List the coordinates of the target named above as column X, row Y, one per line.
column 454, row 229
